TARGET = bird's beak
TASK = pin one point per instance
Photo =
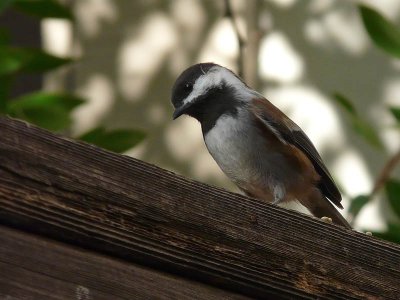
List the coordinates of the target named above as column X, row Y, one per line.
column 180, row 111
column 177, row 113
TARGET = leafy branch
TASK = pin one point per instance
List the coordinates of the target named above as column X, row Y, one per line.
column 386, row 36
column 241, row 41
column 48, row 110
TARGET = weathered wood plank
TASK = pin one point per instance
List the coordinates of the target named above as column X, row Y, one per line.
column 32, row 267
column 129, row 209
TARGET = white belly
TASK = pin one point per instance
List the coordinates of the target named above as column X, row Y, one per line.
column 230, row 145
column 242, row 154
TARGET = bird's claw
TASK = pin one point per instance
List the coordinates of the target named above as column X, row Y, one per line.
column 327, row 220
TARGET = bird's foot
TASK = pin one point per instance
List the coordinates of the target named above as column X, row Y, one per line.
column 276, row 201
column 327, row 220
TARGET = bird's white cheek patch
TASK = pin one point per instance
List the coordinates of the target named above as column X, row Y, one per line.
column 216, row 77
column 203, row 84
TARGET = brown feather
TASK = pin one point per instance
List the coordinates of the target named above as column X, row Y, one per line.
column 288, row 132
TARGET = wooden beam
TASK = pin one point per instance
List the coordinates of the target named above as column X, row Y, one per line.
column 32, row 267
column 128, row 209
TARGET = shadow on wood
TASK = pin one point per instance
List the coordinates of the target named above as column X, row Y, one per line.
column 38, row 268
column 116, row 205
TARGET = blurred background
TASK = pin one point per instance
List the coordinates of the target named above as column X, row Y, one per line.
column 107, row 67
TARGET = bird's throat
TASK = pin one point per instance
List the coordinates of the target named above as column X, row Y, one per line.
column 215, row 104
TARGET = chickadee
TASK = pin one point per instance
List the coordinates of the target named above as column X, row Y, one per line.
column 255, row 144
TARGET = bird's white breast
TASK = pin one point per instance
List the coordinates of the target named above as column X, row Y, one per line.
column 244, row 156
column 229, row 143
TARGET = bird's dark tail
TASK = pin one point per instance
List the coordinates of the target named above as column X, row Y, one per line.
column 320, row 207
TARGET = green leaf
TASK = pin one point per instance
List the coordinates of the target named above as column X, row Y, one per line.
column 357, row 204
column 51, row 118
column 27, row 60
column 367, row 132
column 50, row 111
column 345, row 103
column 118, row 141
column 361, row 127
column 4, row 4
column 5, row 86
column 41, row 99
column 4, row 37
column 382, row 32
column 395, row 112
column 44, row 8
column 12, row 60
column 41, row 61
column 392, row 234
column 392, row 188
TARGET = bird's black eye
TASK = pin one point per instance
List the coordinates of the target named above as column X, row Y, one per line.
column 188, row 86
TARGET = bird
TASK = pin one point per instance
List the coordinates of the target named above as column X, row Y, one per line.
column 259, row 148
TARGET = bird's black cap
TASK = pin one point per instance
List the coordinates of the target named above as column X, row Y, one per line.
column 184, row 84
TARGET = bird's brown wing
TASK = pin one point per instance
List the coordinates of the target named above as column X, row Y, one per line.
column 288, row 132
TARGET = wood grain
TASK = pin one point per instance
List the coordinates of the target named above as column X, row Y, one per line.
column 32, row 267
column 119, row 206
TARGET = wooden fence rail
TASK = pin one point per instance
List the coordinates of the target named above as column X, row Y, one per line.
column 63, row 197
